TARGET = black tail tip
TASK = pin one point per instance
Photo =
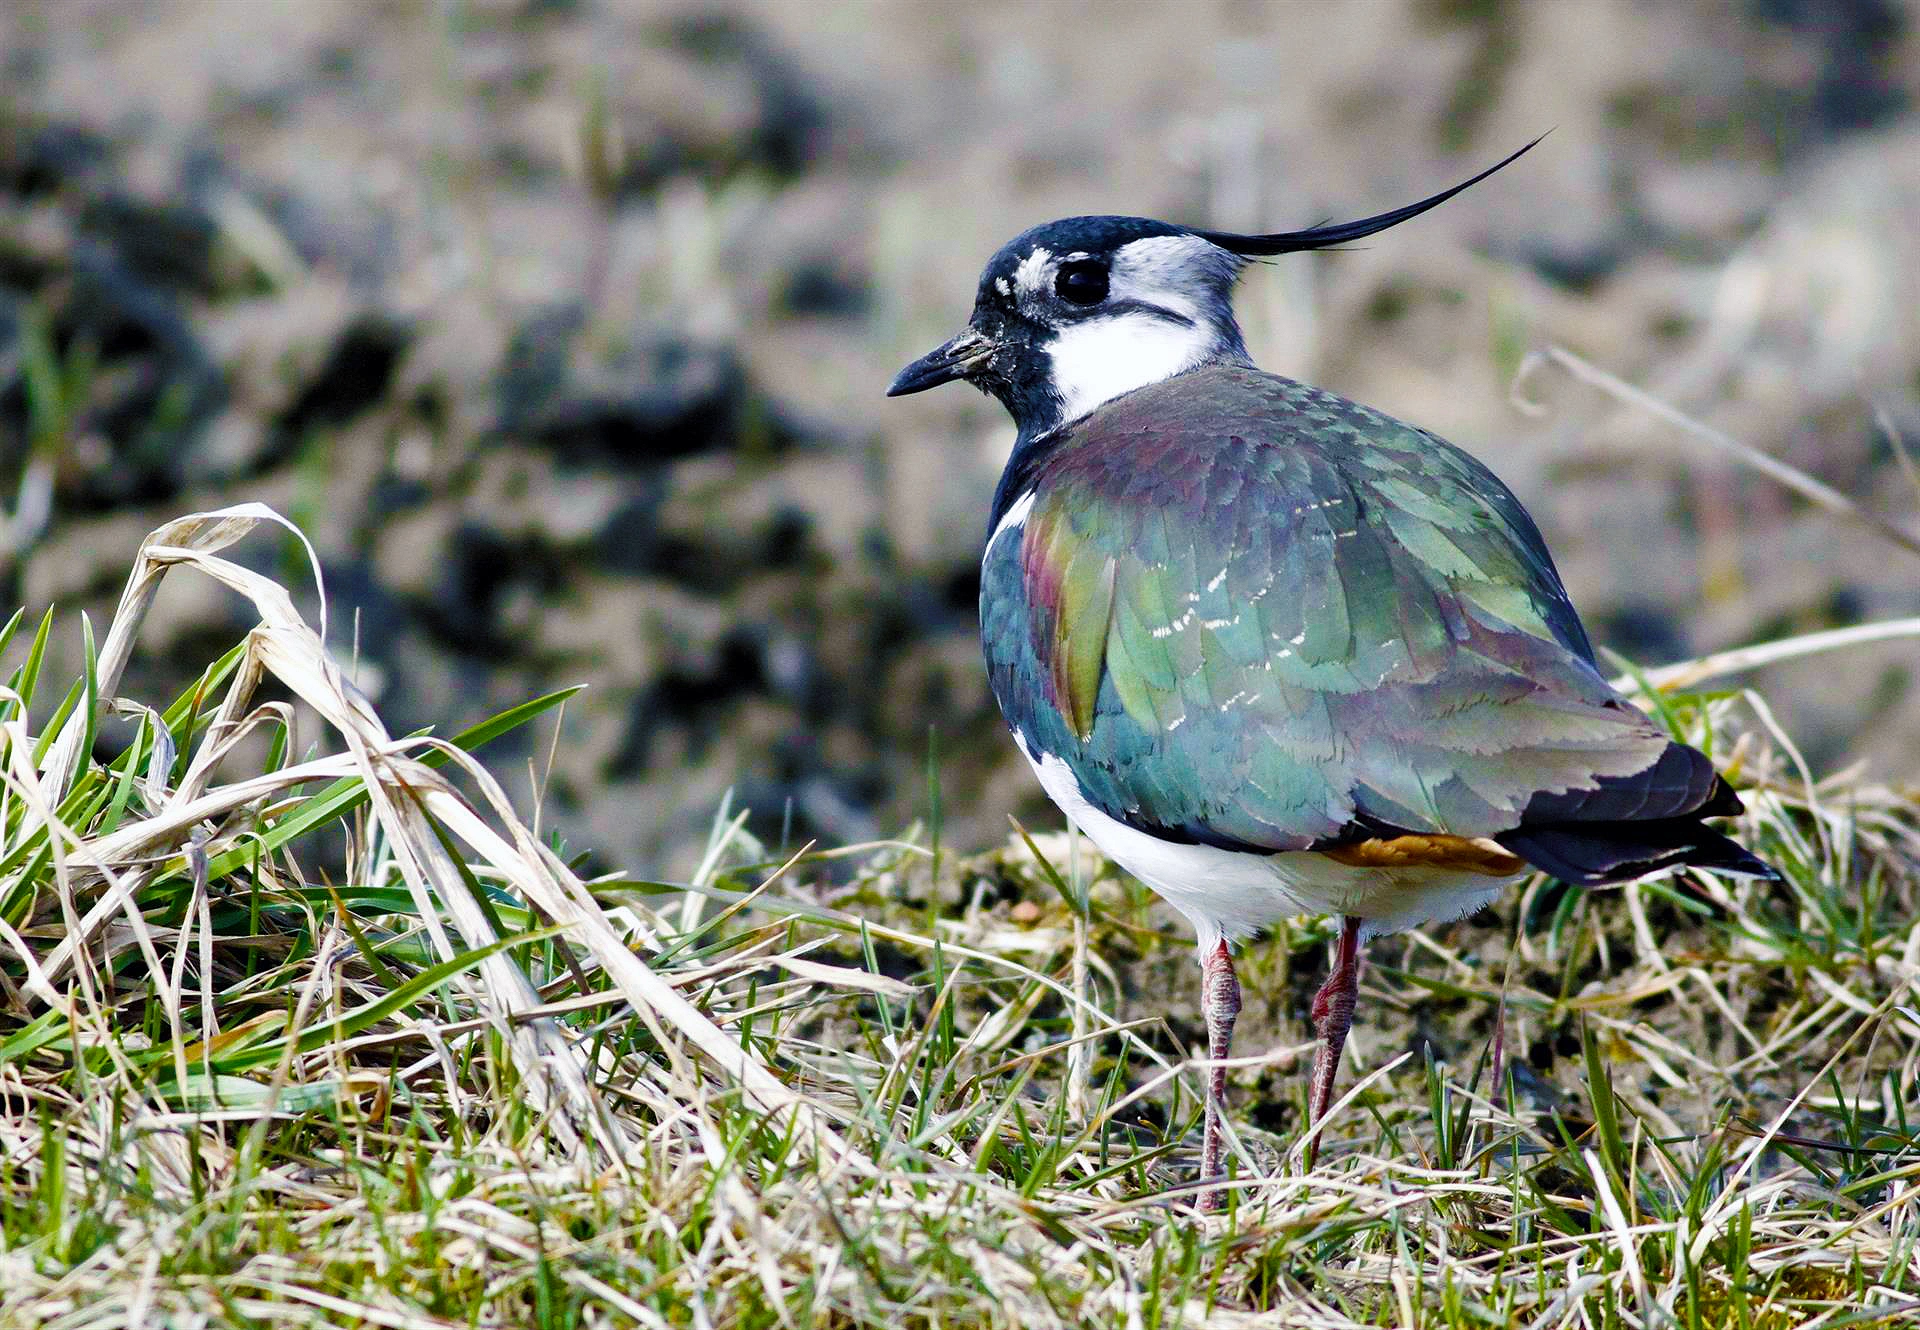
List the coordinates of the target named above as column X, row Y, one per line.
column 1594, row 855
column 1721, row 855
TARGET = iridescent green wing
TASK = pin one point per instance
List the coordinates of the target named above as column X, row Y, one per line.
column 1253, row 614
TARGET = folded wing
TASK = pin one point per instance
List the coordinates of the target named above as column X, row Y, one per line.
column 1256, row 615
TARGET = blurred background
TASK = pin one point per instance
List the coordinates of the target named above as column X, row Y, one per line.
column 562, row 327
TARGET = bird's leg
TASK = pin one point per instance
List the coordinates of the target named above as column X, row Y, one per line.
column 1219, row 1004
column 1332, row 1018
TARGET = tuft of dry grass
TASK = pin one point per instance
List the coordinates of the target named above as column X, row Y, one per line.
column 302, row 1029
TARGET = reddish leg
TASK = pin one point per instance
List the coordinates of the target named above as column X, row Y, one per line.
column 1219, row 1004
column 1332, row 1018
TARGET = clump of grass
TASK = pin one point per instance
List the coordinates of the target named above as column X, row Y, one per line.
column 312, row 1029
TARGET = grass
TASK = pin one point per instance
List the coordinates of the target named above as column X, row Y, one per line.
column 303, row 1028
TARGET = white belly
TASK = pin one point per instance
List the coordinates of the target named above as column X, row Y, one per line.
column 1228, row 893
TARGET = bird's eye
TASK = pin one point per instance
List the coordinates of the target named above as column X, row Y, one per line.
column 1082, row 283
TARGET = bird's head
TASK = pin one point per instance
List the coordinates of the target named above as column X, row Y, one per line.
column 1076, row 312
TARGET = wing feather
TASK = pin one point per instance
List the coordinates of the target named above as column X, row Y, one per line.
column 1253, row 614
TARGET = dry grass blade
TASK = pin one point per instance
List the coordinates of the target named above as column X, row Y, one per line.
column 548, row 884
column 1792, row 477
column 183, row 539
column 408, row 800
column 1687, row 673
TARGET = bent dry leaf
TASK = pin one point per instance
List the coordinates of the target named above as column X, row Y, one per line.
column 118, row 868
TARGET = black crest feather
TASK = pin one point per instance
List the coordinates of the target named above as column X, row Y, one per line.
column 1321, row 237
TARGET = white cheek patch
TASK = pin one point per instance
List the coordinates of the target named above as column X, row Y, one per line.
column 1096, row 361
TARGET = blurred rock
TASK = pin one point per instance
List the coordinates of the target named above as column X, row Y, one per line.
column 632, row 407
column 1858, row 41
column 721, row 99
column 356, row 374
column 823, row 286
column 38, row 156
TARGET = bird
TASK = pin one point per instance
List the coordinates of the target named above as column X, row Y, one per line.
column 1277, row 653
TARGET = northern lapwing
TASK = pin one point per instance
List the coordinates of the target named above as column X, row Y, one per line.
column 1273, row 651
